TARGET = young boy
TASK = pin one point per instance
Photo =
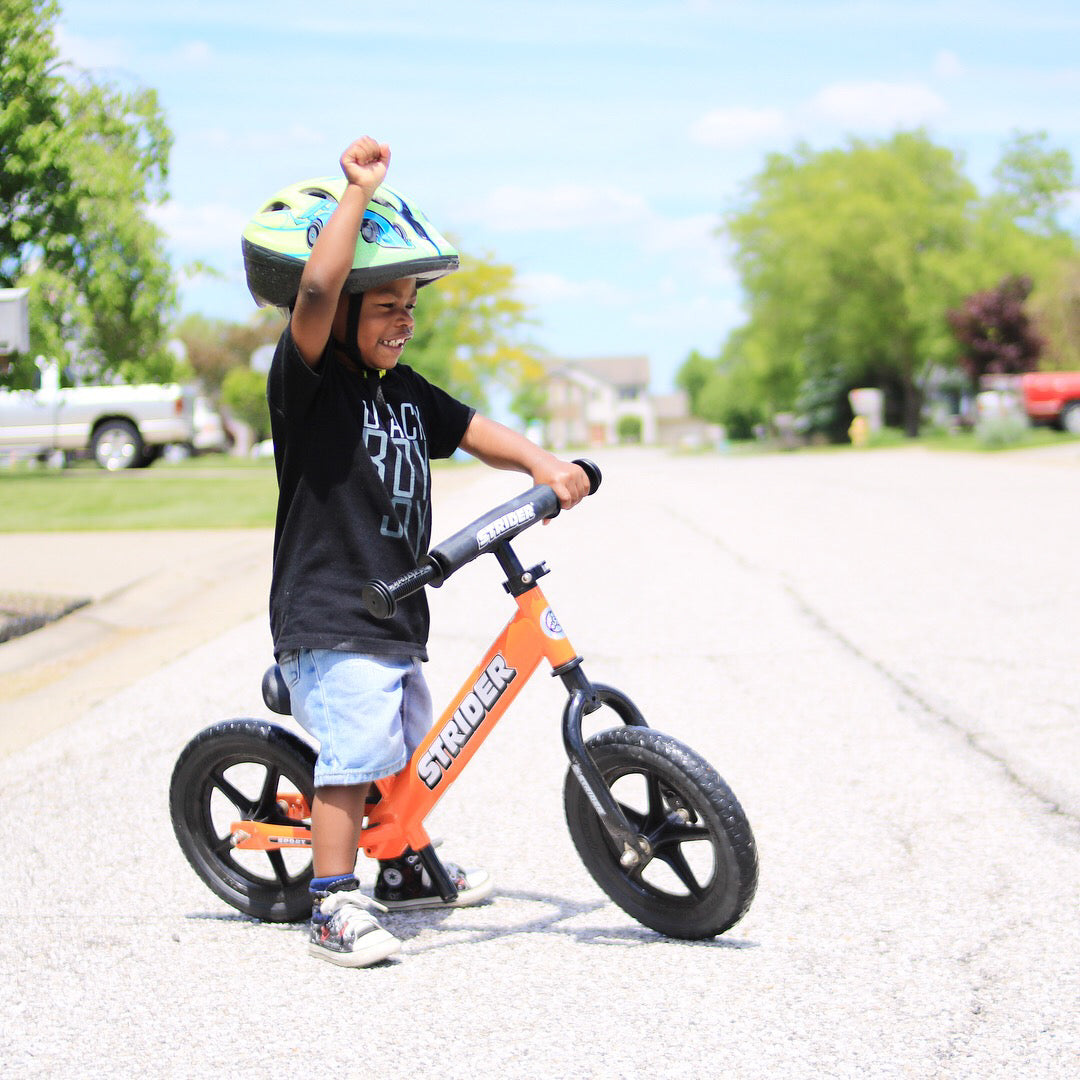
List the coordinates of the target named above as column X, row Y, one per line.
column 353, row 431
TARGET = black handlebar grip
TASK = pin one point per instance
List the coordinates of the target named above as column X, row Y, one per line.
column 501, row 524
column 378, row 600
column 381, row 599
column 592, row 472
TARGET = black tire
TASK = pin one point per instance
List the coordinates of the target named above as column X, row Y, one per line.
column 1070, row 418
column 702, row 875
column 117, row 445
column 232, row 771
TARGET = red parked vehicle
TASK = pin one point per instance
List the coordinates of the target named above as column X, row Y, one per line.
column 1053, row 397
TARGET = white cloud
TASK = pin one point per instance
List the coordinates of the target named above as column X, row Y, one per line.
column 857, row 106
column 875, row 105
column 560, row 206
column 193, row 54
column 737, row 126
column 270, row 140
column 713, row 312
column 545, row 288
column 89, row 53
column 208, row 231
column 681, row 234
column 947, row 65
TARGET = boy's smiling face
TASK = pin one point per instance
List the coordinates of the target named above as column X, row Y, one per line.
column 386, row 322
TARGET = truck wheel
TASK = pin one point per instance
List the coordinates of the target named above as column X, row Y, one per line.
column 1070, row 418
column 117, row 444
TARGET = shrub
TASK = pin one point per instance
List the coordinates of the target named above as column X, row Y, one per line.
column 244, row 392
column 997, row 432
column 629, row 429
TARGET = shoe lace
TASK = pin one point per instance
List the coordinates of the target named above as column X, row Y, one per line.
column 351, row 904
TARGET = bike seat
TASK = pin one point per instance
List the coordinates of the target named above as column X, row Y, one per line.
column 275, row 691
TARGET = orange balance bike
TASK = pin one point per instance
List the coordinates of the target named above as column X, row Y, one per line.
column 656, row 827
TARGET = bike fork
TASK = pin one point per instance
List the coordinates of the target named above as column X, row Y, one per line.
column 586, row 697
column 437, row 872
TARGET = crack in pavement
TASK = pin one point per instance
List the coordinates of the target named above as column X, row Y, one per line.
column 906, row 690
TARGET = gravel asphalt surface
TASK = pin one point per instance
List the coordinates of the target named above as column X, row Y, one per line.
column 878, row 651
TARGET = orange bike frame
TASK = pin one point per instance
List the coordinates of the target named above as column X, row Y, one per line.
column 396, row 820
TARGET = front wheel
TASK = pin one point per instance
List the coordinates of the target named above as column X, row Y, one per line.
column 1070, row 418
column 245, row 770
column 702, row 872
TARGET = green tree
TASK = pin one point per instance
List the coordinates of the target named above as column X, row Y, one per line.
column 1034, row 180
column 84, row 162
column 470, row 333
column 214, row 347
column 692, row 377
column 36, row 199
column 1056, row 311
column 850, row 258
column 244, row 392
column 751, row 381
column 845, row 255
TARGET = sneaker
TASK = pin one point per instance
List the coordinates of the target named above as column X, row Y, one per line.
column 345, row 932
column 404, row 885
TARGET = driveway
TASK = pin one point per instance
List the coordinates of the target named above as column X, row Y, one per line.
column 878, row 652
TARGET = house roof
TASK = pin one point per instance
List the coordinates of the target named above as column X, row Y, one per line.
column 613, row 370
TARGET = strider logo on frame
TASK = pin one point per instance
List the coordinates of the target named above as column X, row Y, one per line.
column 471, row 712
column 490, row 533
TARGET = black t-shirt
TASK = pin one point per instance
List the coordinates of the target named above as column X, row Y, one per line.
column 354, row 498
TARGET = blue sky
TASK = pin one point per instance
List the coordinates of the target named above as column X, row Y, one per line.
column 592, row 145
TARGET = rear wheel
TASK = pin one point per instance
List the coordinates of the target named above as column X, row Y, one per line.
column 117, row 444
column 247, row 770
column 700, row 877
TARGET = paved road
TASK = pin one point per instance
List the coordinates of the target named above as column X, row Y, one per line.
column 878, row 651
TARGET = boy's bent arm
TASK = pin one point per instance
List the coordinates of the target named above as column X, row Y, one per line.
column 501, row 448
column 364, row 164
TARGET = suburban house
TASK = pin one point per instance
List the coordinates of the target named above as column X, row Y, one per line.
column 604, row 400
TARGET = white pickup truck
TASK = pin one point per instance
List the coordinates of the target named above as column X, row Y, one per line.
column 122, row 427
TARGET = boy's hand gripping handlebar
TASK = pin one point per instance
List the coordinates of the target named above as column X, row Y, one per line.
column 484, row 534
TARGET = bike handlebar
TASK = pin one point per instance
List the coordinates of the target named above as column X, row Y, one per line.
column 484, row 534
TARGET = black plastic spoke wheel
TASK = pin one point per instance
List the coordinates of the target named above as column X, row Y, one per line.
column 701, row 874
column 244, row 770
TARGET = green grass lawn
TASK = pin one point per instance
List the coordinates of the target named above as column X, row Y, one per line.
column 224, row 493
column 946, row 441
column 206, row 493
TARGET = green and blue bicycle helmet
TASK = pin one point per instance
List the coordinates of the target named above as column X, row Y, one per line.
column 396, row 241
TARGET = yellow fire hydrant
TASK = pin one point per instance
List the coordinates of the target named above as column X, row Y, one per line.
column 859, row 431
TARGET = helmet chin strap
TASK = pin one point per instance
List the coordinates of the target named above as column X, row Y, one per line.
column 352, row 324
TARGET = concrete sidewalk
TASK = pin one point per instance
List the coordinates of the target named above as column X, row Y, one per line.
column 153, row 597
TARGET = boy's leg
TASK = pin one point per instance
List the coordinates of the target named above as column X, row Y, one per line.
column 403, row 883
column 337, row 812
column 343, row 928
column 347, row 703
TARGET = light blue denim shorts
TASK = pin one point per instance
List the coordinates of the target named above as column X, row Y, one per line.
column 367, row 713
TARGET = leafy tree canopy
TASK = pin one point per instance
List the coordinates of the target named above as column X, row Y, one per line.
column 470, row 334
column 850, row 257
column 214, row 347
column 83, row 163
column 995, row 332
